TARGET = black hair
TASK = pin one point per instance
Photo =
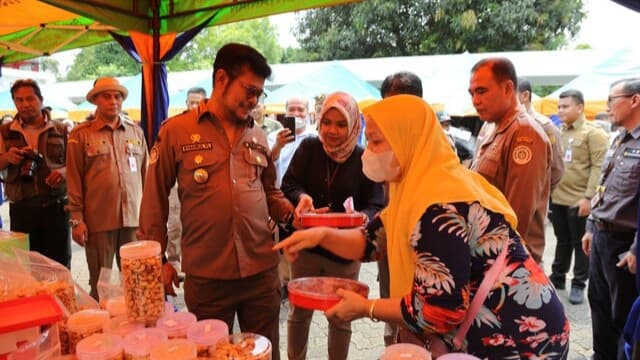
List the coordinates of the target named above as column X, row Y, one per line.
column 501, row 68
column 26, row 83
column 630, row 86
column 232, row 57
column 576, row 95
column 197, row 90
column 403, row 82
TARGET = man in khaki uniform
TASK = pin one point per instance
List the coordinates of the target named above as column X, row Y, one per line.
column 552, row 131
column 226, row 184
column 106, row 168
column 516, row 155
column 585, row 146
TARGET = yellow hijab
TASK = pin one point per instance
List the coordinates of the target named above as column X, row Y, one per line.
column 431, row 174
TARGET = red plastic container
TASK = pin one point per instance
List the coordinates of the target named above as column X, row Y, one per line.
column 336, row 220
column 28, row 312
column 319, row 293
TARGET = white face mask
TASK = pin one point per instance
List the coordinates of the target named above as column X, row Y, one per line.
column 300, row 123
column 380, row 167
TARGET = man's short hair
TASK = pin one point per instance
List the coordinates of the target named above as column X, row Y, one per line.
column 232, row 57
column 305, row 101
column 501, row 68
column 524, row 85
column 197, row 90
column 26, row 83
column 403, row 82
column 576, row 95
column 629, row 85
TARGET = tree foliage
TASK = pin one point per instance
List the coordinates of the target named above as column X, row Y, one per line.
column 377, row 28
column 201, row 51
column 109, row 59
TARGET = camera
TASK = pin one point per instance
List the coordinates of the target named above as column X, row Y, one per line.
column 29, row 165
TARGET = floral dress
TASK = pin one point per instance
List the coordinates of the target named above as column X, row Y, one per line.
column 522, row 317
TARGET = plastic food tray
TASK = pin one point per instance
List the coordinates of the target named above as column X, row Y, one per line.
column 337, row 220
column 319, row 293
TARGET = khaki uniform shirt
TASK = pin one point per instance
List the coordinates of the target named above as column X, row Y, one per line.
column 585, row 146
column 227, row 194
column 553, row 133
column 106, row 169
column 619, row 203
column 515, row 158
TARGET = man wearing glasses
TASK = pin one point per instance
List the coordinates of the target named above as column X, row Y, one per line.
column 226, row 185
column 106, row 169
column 32, row 151
column 612, row 227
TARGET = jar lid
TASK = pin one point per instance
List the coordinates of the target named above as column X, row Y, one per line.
column 87, row 320
column 121, row 325
column 99, row 346
column 176, row 323
column 140, row 342
column 405, row 351
column 140, row 249
column 208, row 332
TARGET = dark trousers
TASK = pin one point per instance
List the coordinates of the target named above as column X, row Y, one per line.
column 255, row 299
column 569, row 229
column 612, row 291
column 48, row 229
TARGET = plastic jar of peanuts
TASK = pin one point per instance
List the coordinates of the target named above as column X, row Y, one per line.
column 83, row 324
column 176, row 324
column 243, row 346
column 206, row 333
column 100, row 347
column 142, row 280
column 176, row 349
column 121, row 325
column 138, row 344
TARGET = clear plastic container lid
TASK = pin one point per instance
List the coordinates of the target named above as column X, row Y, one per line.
column 405, row 352
column 140, row 342
column 99, row 347
column 244, row 346
column 140, row 249
column 176, row 349
column 207, row 332
column 176, row 324
column 120, row 325
column 90, row 320
column 457, row 356
column 116, row 306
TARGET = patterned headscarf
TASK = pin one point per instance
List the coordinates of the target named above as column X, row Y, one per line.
column 348, row 107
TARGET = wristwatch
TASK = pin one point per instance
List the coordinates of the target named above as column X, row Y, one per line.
column 73, row 222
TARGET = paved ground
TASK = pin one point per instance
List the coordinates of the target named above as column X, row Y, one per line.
column 366, row 341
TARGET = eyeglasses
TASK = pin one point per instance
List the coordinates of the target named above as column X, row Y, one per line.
column 253, row 91
column 612, row 98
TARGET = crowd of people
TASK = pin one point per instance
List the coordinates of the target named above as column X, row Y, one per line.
column 458, row 233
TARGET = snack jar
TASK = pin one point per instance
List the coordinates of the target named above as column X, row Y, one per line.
column 176, row 349
column 121, row 325
column 138, row 344
column 176, row 324
column 206, row 333
column 83, row 324
column 100, row 347
column 403, row 351
column 142, row 280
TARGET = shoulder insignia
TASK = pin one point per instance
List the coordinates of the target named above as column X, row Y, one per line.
column 522, row 154
column 524, row 139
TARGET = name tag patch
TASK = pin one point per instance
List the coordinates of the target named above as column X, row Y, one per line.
column 197, row 147
column 632, row 153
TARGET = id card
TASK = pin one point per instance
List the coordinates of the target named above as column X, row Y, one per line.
column 133, row 165
column 568, row 155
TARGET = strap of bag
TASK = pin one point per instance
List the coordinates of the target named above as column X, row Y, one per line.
column 484, row 289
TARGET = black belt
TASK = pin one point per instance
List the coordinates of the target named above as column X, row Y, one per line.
column 611, row 227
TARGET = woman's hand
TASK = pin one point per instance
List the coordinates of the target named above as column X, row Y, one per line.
column 300, row 240
column 352, row 306
column 305, row 205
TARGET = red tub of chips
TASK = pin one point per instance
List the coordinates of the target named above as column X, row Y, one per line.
column 319, row 293
column 335, row 220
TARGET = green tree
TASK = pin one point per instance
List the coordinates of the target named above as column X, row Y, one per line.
column 378, row 28
column 201, row 51
column 107, row 59
column 50, row 65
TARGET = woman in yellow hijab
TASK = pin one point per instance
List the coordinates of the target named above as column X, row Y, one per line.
column 443, row 229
